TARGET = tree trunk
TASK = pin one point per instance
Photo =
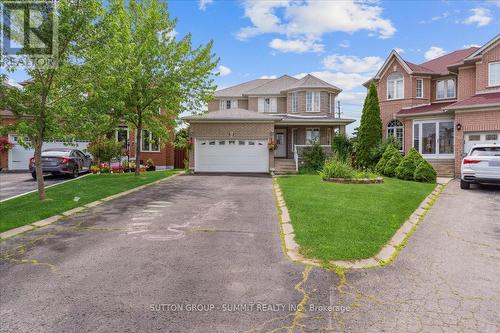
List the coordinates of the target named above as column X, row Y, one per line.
column 138, row 148
column 38, row 169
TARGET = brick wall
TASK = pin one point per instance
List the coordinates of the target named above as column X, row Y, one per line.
column 163, row 159
column 473, row 122
column 492, row 55
column 4, row 157
column 466, row 82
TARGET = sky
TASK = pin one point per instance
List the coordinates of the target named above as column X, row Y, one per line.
column 341, row 42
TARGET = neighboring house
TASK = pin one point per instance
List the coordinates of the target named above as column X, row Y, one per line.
column 18, row 158
column 443, row 106
column 245, row 120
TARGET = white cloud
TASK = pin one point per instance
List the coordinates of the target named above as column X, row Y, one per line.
column 268, row 77
column 203, row 4
column 345, row 81
column 495, row 2
column 296, row 45
column 480, row 16
column 399, row 50
column 224, row 71
column 471, row 45
column 352, row 64
column 345, row 44
column 352, row 98
column 309, row 20
column 434, row 52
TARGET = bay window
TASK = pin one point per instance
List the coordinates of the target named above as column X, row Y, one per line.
column 494, row 74
column 295, row 102
column 395, row 86
column 445, row 89
column 434, row 138
column 312, row 136
column 313, row 101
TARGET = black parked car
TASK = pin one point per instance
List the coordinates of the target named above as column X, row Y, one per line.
column 68, row 161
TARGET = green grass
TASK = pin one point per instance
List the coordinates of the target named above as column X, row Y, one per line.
column 28, row 209
column 348, row 221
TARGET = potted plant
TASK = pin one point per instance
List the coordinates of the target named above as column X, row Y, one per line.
column 5, row 146
column 271, row 144
column 150, row 165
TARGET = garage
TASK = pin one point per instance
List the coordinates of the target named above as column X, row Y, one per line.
column 231, row 155
column 475, row 138
column 19, row 156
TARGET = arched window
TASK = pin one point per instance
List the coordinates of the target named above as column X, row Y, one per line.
column 395, row 128
column 395, row 86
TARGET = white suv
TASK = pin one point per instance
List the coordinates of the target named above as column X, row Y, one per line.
column 481, row 166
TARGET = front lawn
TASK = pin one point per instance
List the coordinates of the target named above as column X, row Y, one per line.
column 348, row 221
column 28, row 209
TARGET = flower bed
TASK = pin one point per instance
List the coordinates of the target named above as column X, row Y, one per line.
column 378, row 180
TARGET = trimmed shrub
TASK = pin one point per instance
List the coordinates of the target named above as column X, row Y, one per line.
column 342, row 146
column 406, row 169
column 392, row 164
column 314, row 157
column 379, row 150
column 389, row 152
column 425, row 173
column 337, row 168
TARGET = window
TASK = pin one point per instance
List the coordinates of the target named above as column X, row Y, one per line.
column 312, row 135
column 485, row 151
column 150, row 142
column 211, row 143
column 395, row 128
column 491, row 137
column 241, row 143
column 434, row 138
column 420, row 88
column 226, row 104
column 395, row 86
column 494, row 74
column 267, row 104
column 445, row 89
column 222, row 143
column 231, row 142
column 121, row 135
column 313, row 101
column 474, row 137
column 295, row 102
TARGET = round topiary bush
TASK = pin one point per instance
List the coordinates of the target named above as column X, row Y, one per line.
column 406, row 169
column 389, row 152
column 425, row 173
column 391, row 165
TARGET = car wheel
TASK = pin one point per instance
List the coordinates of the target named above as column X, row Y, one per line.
column 464, row 185
column 75, row 173
column 33, row 174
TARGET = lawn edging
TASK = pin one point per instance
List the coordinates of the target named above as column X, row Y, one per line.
column 385, row 256
column 45, row 222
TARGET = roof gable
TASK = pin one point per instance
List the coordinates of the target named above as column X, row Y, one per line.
column 483, row 49
column 273, row 87
column 393, row 54
column 311, row 81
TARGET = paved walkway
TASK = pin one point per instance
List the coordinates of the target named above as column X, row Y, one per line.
column 193, row 254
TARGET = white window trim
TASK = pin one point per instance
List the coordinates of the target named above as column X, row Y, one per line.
column 294, row 131
column 395, row 88
column 313, row 129
column 295, row 102
column 313, row 97
column 273, row 104
column 122, row 128
column 403, row 135
column 223, row 104
column 436, row 121
column 489, row 74
column 422, row 88
column 150, row 139
column 446, row 89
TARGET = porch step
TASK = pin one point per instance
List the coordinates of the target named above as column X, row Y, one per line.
column 284, row 166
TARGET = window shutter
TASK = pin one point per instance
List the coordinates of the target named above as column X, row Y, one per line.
column 260, row 106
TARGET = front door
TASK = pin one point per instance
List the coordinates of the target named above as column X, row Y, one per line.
column 280, row 143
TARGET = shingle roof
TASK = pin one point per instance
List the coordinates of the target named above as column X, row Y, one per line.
column 429, row 108
column 440, row 65
column 418, row 68
column 273, row 87
column 484, row 100
column 310, row 81
column 240, row 89
column 230, row 114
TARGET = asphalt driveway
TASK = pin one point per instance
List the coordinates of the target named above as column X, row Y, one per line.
column 12, row 184
column 203, row 254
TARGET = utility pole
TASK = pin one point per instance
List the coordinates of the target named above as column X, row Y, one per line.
column 339, row 113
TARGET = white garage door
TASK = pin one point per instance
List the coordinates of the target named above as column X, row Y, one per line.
column 231, row 156
column 472, row 139
column 19, row 157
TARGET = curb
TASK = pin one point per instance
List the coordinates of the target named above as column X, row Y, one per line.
column 45, row 222
column 386, row 255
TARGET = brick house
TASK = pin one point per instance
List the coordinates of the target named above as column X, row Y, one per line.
column 245, row 120
column 18, row 158
column 444, row 106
